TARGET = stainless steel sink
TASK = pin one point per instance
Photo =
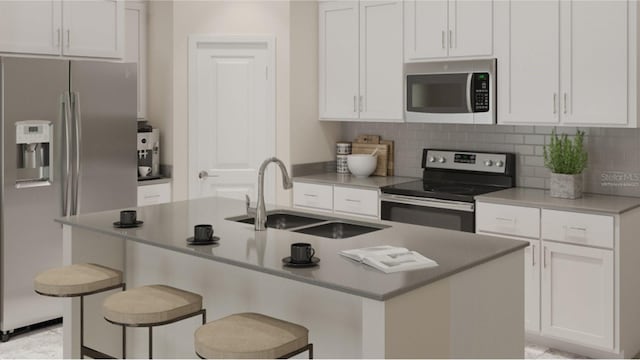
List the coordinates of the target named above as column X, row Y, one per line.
column 339, row 229
column 282, row 220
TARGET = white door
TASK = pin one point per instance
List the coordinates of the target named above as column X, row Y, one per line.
column 381, row 61
column 532, row 286
column 426, row 29
column 93, row 28
column 338, row 62
column 231, row 115
column 471, row 27
column 595, row 62
column 30, row 27
column 528, row 61
column 577, row 294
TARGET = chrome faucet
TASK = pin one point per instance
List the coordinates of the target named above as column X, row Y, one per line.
column 260, row 212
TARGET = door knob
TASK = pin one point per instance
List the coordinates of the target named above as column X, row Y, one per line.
column 204, row 174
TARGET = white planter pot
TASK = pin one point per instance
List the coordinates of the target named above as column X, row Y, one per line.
column 566, row 186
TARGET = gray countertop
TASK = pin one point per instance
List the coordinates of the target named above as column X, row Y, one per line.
column 162, row 180
column 168, row 225
column 350, row 180
column 541, row 198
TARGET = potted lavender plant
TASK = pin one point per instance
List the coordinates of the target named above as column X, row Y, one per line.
column 566, row 158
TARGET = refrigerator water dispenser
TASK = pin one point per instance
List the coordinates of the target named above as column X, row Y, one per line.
column 33, row 139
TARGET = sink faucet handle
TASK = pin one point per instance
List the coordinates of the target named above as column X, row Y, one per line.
column 250, row 211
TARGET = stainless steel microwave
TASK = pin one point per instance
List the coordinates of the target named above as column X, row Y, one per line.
column 461, row 92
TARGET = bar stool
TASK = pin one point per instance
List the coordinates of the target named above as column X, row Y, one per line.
column 251, row 336
column 80, row 280
column 150, row 306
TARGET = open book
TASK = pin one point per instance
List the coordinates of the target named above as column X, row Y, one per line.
column 389, row 259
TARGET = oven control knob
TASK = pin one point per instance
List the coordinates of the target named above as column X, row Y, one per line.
column 488, row 162
column 442, row 160
column 432, row 159
column 499, row 163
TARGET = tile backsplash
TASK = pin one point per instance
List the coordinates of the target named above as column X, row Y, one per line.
column 614, row 154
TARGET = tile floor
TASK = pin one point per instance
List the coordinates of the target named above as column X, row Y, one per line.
column 46, row 343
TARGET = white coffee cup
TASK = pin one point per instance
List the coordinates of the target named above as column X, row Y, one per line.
column 144, row 171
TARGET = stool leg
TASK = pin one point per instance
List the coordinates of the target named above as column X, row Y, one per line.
column 150, row 342
column 310, row 351
column 124, row 332
column 81, row 327
column 204, row 316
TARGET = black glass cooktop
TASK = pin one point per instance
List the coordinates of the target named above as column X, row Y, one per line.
column 440, row 190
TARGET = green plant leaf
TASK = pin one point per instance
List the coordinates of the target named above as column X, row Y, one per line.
column 564, row 155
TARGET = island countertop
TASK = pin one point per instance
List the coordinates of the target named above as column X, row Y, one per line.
column 169, row 225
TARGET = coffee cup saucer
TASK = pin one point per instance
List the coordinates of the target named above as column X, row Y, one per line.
column 120, row 225
column 213, row 240
column 287, row 262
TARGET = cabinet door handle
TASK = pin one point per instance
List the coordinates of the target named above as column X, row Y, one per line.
column 354, row 103
column 533, row 255
column 555, row 101
column 544, row 257
column 450, row 39
column 443, row 38
column 68, row 38
column 565, row 103
column 58, row 38
column 360, row 103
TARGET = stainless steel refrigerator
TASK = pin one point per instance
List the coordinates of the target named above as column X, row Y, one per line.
column 68, row 147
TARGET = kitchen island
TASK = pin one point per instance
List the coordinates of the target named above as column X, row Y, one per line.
column 471, row 305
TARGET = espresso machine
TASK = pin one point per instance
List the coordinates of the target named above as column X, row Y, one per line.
column 34, row 155
column 149, row 151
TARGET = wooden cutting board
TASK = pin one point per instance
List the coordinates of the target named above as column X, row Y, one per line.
column 368, row 139
column 383, row 155
column 390, row 155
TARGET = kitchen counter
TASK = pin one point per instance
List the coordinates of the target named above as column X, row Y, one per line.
column 350, row 180
column 162, row 180
column 541, row 198
column 351, row 310
column 167, row 226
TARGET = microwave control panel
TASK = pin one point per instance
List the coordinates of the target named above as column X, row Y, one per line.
column 480, row 92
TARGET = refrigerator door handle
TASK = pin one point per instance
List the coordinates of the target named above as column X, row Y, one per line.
column 77, row 121
column 66, row 118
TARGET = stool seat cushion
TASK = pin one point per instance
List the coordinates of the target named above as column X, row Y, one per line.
column 249, row 336
column 149, row 305
column 76, row 279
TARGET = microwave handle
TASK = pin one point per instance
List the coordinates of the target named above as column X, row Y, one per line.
column 469, row 90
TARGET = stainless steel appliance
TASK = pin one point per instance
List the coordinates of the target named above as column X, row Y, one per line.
column 68, row 136
column 451, row 92
column 444, row 197
column 149, row 151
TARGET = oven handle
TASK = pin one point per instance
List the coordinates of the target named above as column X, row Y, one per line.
column 434, row 203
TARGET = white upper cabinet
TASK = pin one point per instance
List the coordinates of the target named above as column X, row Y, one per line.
column 454, row 28
column 83, row 28
column 30, row 27
column 360, row 64
column 338, row 65
column 136, row 48
column 528, row 68
column 381, row 90
column 577, row 69
column 595, row 67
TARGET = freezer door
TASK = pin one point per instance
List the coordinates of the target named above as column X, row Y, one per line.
column 31, row 242
column 104, row 136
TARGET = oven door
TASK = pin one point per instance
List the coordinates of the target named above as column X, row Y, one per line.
column 453, row 215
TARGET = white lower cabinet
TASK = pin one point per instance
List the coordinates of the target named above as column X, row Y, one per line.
column 154, row 194
column 570, row 277
column 578, row 293
column 339, row 199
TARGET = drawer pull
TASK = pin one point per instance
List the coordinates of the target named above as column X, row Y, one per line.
column 311, row 195
column 151, row 196
column 575, row 231
column 352, row 200
column 506, row 219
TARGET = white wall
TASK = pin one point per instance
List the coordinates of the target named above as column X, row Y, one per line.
column 300, row 137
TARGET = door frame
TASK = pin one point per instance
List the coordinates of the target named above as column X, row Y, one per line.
column 197, row 41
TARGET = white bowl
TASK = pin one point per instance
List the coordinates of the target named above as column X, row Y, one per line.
column 362, row 165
